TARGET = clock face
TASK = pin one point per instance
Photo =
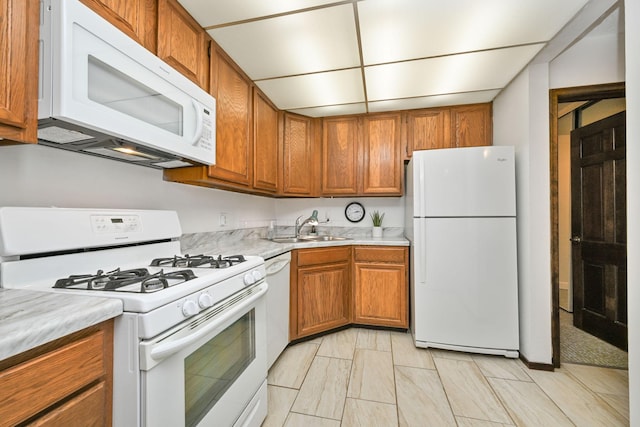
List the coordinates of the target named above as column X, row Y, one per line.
column 354, row 212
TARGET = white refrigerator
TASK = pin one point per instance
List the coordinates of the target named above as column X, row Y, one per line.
column 461, row 221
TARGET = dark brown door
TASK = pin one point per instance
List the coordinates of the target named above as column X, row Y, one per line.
column 599, row 229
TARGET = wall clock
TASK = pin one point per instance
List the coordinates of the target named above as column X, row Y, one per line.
column 354, row 212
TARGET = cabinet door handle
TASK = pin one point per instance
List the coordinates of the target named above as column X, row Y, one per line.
column 576, row 239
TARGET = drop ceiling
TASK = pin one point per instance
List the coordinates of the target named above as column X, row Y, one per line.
column 324, row 58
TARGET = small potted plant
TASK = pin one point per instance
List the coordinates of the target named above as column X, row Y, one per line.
column 377, row 218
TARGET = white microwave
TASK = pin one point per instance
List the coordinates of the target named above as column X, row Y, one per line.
column 101, row 93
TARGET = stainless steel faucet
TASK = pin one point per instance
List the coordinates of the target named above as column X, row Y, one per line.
column 312, row 220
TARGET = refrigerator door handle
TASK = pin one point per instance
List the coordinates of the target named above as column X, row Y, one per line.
column 420, row 248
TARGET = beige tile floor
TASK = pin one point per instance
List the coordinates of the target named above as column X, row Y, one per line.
column 360, row 377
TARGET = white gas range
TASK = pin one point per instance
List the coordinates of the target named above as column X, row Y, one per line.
column 190, row 348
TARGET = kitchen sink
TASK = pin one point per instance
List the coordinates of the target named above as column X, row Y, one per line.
column 324, row 238
column 303, row 239
column 286, row 240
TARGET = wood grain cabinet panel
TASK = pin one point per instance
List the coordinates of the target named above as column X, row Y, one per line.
column 320, row 291
column 136, row 18
column 299, row 167
column 69, row 379
column 18, row 70
column 381, row 286
column 182, row 43
column 471, row 126
column 266, row 144
column 382, row 168
column 341, row 156
column 428, row 129
column 234, row 151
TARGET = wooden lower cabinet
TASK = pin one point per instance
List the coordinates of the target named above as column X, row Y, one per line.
column 320, row 290
column 333, row 287
column 380, row 286
column 68, row 382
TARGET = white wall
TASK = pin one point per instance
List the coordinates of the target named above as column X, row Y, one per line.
column 32, row 175
column 520, row 115
column 632, row 37
column 593, row 59
column 44, row 176
column 521, row 118
column 287, row 210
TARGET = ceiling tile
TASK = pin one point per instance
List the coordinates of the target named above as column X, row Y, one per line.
column 332, row 110
column 448, row 74
column 396, row 30
column 215, row 12
column 313, row 90
column 318, row 40
column 433, row 101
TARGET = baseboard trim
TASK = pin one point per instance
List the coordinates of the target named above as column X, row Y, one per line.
column 536, row 366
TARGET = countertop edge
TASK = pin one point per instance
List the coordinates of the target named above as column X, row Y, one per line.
column 29, row 318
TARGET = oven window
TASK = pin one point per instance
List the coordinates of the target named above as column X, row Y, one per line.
column 212, row 369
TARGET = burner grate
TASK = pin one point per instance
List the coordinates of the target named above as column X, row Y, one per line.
column 198, row 261
column 125, row 280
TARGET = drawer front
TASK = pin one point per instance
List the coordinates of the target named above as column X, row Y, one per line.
column 32, row 386
column 390, row 254
column 85, row 410
column 308, row 257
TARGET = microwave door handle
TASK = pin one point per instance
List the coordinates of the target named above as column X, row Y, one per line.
column 164, row 350
column 199, row 122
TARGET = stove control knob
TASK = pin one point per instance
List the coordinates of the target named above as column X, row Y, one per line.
column 205, row 300
column 249, row 279
column 257, row 274
column 189, row 308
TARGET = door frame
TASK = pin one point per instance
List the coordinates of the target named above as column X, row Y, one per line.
column 579, row 93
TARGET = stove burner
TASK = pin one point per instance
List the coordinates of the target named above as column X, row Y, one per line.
column 117, row 280
column 201, row 261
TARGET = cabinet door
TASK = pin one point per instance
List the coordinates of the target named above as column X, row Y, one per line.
column 182, row 43
column 340, row 156
column 18, row 70
column 382, row 169
column 135, row 18
column 266, row 147
column 234, row 160
column 471, row 125
column 428, row 129
column 380, row 286
column 299, row 165
column 323, row 298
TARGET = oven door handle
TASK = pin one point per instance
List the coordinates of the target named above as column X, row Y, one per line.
column 165, row 349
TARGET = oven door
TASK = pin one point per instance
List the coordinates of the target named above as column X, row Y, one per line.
column 210, row 370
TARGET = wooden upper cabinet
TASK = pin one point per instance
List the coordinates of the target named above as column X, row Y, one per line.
column 234, row 151
column 18, row 70
column 471, row 125
column 182, row 43
column 382, row 167
column 299, row 169
column 266, row 143
column 341, row 155
column 135, row 18
column 428, row 129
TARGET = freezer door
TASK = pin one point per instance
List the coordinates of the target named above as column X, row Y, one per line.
column 474, row 181
column 466, row 288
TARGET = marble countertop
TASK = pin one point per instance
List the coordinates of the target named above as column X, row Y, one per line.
column 32, row 318
column 215, row 244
